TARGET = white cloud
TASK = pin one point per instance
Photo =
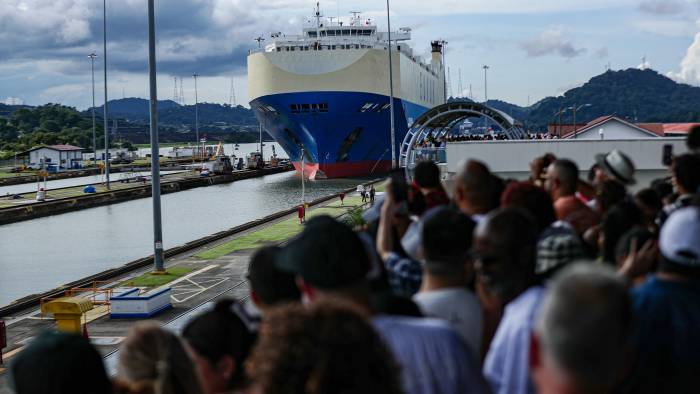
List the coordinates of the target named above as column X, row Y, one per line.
column 667, row 27
column 662, row 7
column 552, row 41
column 690, row 65
column 13, row 101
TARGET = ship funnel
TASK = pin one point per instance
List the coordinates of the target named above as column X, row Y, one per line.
column 436, row 60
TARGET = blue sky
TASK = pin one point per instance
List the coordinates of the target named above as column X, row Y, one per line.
column 535, row 48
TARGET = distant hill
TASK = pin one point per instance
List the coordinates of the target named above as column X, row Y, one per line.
column 172, row 113
column 638, row 95
column 7, row 110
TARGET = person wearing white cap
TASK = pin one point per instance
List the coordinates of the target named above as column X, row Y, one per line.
column 667, row 308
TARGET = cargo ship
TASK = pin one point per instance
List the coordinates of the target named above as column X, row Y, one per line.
column 325, row 95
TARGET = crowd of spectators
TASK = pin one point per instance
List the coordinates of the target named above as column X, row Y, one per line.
column 551, row 285
column 439, row 142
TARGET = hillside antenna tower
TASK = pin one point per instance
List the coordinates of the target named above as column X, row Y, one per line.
column 232, row 95
column 175, row 99
column 471, row 96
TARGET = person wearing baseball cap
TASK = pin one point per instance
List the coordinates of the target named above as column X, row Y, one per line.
column 331, row 262
column 667, row 306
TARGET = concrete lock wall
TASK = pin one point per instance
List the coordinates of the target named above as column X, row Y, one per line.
column 515, row 156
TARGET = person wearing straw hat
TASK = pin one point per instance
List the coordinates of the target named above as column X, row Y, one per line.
column 615, row 165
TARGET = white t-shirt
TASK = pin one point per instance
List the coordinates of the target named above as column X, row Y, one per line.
column 460, row 308
column 360, row 188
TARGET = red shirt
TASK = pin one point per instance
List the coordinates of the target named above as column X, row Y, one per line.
column 571, row 210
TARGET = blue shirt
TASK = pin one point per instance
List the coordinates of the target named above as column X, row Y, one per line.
column 506, row 367
column 432, row 356
column 405, row 274
column 667, row 336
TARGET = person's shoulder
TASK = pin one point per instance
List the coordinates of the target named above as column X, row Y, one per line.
column 413, row 325
column 522, row 310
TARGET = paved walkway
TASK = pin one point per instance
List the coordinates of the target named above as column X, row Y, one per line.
column 218, row 270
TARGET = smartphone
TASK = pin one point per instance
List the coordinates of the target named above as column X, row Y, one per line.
column 667, row 156
column 398, row 184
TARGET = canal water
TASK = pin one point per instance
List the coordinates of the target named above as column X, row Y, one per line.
column 41, row 254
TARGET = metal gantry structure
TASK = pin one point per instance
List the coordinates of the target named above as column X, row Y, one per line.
column 439, row 120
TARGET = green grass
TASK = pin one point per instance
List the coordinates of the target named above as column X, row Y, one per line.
column 150, row 280
column 277, row 232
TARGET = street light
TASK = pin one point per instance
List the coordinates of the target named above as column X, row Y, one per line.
column 92, row 57
column 104, row 68
column 155, row 161
column 486, row 95
column 196, row 114
column 394, row 163
column 575, row 108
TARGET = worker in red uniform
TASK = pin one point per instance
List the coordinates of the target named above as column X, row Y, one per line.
column 342, row 197
column 302, row 213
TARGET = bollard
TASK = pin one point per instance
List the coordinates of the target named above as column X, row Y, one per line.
column 68, row 312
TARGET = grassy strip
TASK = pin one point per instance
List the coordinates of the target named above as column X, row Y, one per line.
column 277, row 232
column 150, row 280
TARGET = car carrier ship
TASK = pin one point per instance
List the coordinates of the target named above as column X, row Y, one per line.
column 325, row 94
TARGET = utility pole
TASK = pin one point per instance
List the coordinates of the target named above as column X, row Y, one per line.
column 461, row 88
column 106, row 127
column 196, row 114
column 303, row 186
column 155, row 161
column 394, row 162
column 486, row 92
column 92, row 57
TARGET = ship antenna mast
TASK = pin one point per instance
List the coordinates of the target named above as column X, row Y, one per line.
column 318, row 15
column 260, row 39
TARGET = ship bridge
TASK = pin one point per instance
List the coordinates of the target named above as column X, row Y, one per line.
column 436, row 123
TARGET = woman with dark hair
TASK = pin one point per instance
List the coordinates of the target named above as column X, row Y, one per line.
column 221, row 340
column 617, row 221
column 326, row 348
column 154, row 361
column 533, row 199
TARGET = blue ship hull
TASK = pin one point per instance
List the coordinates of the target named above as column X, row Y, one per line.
column 342, row 134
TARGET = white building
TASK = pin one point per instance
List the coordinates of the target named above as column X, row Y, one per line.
column 64, row 156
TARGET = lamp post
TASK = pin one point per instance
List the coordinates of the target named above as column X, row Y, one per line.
column 394, row 163
column 155, row 161
column 303, row 186
column 104, row 68
column 92, row 57
column 575, row 108
column 196, row 114
column 486, row 92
